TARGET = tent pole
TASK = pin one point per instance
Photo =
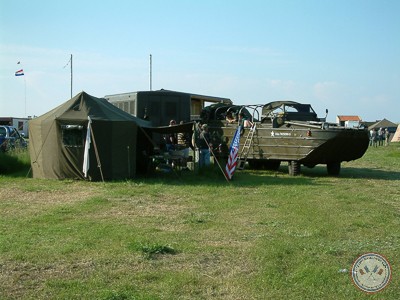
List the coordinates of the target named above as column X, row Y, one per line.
column 215, row 158
column 147, row 136
column 212, row 152
column 97, row 154
column 129, row 163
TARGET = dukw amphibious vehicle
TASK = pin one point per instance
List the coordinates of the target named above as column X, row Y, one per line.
column 283, row 131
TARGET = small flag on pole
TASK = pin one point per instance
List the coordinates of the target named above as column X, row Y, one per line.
column 233, row 154
column 19, row 73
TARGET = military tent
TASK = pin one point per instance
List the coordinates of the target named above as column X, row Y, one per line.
column 383, row 124
column 116, row 141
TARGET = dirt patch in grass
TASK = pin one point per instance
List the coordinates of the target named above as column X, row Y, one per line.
column 22, row 280
column 18, row 202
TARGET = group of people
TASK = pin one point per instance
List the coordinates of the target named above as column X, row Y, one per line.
column 379, row 137
column 183, row 141
column 201, row 138
column 178, row 142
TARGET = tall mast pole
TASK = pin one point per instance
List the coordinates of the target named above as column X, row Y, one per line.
column 150, row 72
column 71, row 75
column 25, row 95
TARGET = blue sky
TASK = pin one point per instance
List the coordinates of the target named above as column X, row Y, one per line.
column 340, row 55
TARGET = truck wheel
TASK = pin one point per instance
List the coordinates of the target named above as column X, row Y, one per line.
column 333, row 168
column 294, row 168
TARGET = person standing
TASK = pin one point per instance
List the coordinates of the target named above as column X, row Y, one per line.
column 171, row 139
column 376, row 137
column 381, row 137
column 184, row 145
column 372, row 135
column 204, row 145
column 387, row 136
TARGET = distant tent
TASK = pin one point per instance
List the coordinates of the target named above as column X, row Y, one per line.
column 382, row 124
column 396, row 136
column 57, row 141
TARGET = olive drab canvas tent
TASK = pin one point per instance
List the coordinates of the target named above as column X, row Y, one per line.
column 383, row 124
column 57, row 141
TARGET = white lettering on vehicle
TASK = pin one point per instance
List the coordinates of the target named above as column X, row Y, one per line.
column 273, row 133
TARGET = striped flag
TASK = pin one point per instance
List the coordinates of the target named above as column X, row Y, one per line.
column 19, row 73
column 233, row 154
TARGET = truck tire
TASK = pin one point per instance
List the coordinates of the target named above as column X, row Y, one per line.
column 294, row 168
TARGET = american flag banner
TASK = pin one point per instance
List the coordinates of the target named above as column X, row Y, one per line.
column 233, row 154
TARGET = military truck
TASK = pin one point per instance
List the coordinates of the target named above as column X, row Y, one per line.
column 161, row 106
column 284, row 131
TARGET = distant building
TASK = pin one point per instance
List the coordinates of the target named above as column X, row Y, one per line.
column 21, row 124
column 348, row 121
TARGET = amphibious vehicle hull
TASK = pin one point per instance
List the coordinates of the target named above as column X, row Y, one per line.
column 299, row 142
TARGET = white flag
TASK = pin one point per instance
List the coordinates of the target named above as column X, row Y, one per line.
column 87, row 147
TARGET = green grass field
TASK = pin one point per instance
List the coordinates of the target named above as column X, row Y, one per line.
column 264, row 236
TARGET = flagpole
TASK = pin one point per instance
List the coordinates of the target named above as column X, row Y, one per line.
column 212, row 152
column 25, row 96
column 151, row 66
column 21, row 73
column 71, row 75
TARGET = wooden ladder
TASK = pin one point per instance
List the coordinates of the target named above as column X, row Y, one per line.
column 246, row 148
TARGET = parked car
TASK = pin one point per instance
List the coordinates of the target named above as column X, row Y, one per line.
column 10, row 139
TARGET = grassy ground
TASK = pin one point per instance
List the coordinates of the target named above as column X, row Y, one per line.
column 264, row 236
